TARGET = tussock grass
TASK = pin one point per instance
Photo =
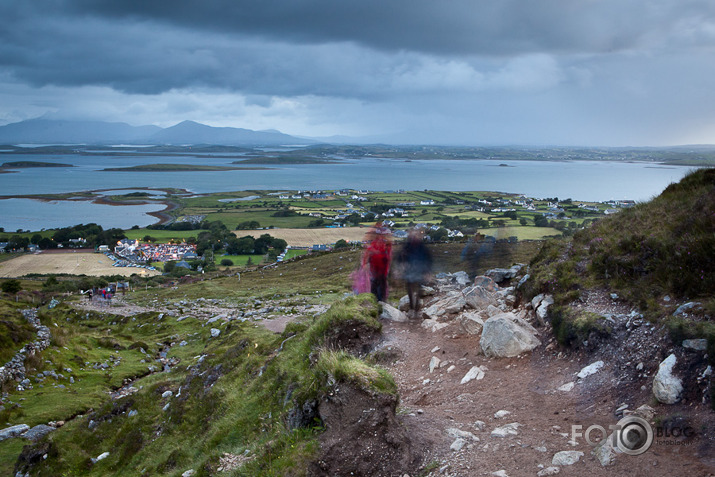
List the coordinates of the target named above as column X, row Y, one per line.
column 237, row 399
column 658, row 248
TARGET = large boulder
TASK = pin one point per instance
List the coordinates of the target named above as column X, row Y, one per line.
column 479, row 297
column 485, row 282
column 502, row 337
column 502, row 274
column 667, row 388
column 470, row 323
column 451, row 303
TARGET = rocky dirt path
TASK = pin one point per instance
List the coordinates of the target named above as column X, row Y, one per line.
column 514, row 420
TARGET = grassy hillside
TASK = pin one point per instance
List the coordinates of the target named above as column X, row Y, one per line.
column 656, row 255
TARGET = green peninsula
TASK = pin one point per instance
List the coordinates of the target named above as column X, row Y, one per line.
column 28, row 164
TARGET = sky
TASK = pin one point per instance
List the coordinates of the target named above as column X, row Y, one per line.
column 451, row 72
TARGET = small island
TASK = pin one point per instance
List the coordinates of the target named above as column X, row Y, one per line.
column 175, row 168
column 285, row 160
column 29, row 164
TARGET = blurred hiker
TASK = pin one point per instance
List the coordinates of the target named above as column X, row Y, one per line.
column 476, row 251
column 416, row 262
column 377, row 257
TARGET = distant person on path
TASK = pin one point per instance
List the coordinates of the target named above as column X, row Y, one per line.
column 377, row 256
column 416, row 262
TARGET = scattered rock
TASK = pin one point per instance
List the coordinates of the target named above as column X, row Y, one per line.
column 101, row 456
column 696, row 344
column 37, row 432
column 500, row 473
column 479, row 297
column 566, row 458
column 457, row 444
column 548, row 471
column 503, row 338
column 188, row 473
column 13, row 431
column 453, row 302
column 486, row 283
column 505, row 431
column 470, row 323
column 592, row 368
column 215, row 332
column 501, row 414
column 502, row 274
column 167, row 394
column 433, row 325
column 391, row 313
column 605, row 452
column 458, row 433
column 686, row 307
column 474, row 373
column 567, row 387
column 433, row 363
column 667, row 388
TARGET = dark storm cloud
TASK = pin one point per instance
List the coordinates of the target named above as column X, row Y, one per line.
column 479, row 70
column 311, row 47
column 447, row 27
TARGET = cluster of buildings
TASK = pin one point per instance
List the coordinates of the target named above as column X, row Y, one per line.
column 133, row 251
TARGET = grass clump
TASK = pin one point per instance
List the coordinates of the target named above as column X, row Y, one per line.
column 572, row 327
column 339, row 366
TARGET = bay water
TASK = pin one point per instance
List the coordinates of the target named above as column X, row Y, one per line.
column 594, row 181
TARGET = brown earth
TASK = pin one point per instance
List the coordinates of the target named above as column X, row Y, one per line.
column 526, row 387
column 76, row 263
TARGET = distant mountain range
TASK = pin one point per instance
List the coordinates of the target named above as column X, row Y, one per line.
column 48, row 131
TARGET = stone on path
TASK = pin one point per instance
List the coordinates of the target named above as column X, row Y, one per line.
column 433, row 363
column 458, row 444
column 500, row 473
column 505, row 431
column 433, row 325
column 667, row 388
column 605, row 452
column 455, row 433
column 479, row 298
column 475, row 373
column 566, row 458
column 503, row 338
column 548, row 471
column 566, row 387
column 391, row 313
column 486, row 283
column 592, row 368
column 501, row 414
column 471, row 323
column 451, row 303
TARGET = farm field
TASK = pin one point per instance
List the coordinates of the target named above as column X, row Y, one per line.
column 309, row 237
column 77, row 263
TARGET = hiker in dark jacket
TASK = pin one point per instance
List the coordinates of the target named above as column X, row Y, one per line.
column 416, row 261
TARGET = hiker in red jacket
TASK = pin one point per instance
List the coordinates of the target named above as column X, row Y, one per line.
column 377, row 256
